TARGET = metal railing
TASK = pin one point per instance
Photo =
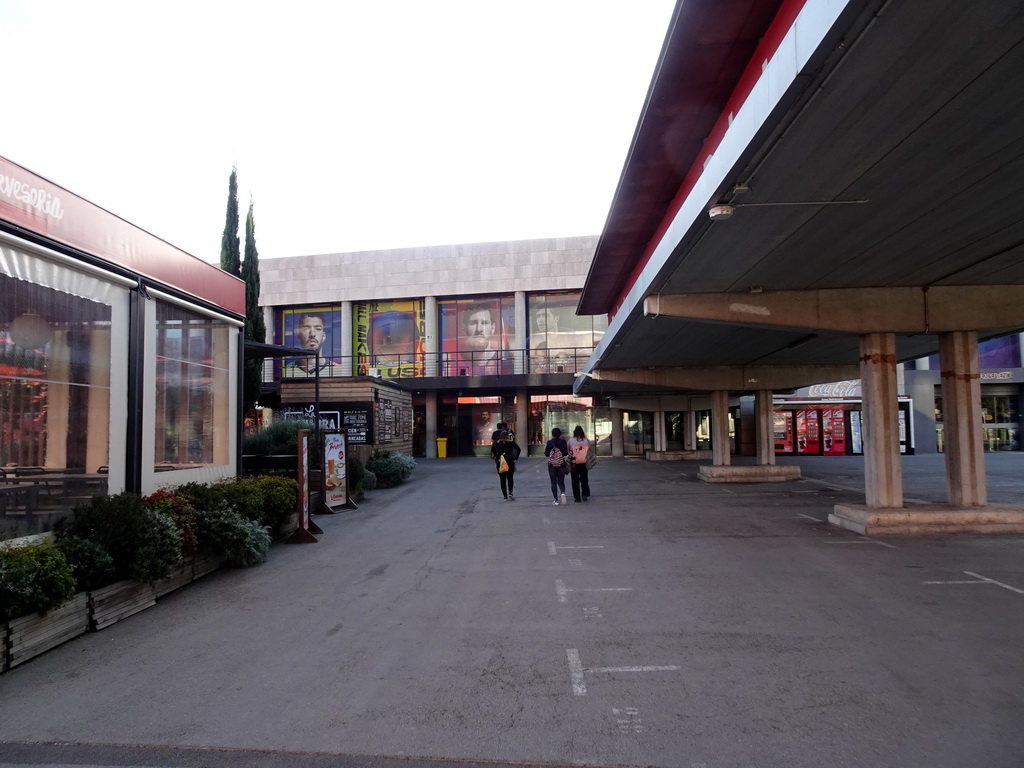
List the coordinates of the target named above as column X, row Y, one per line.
column 419, row 365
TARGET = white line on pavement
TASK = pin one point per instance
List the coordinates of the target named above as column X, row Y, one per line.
column 576, row 672
column 997, row 583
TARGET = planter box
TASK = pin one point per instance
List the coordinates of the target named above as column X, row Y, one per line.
column 287, row 528
column 119, row 601
column 204, row 563
column 179, row 577
column 29, row 636
column 3, row 647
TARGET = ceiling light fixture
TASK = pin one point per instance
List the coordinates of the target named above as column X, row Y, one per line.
column 30, row 331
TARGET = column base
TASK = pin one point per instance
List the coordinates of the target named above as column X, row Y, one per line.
column 746, row 473
column 677, row 455
column 927, row 519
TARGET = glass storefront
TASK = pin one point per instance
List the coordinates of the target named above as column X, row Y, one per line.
column 1000, row 416
column 192, row 389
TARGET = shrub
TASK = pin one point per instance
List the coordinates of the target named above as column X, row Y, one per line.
column 277, row 438
column 92, row 566
column 33, row 579
column 181, row 511
column 144, row 543
column 390, row 468
column 280, row 499
column 369, row 480
column 223, row 531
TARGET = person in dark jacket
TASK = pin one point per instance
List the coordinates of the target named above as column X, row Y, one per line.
column 557, row 466
column 503, row 446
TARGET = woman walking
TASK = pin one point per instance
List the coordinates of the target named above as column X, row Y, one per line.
column 557, row 452
column 579, row 449
column 504, row 449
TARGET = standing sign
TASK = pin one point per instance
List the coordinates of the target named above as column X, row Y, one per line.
column 303, row 534
column 335, row 471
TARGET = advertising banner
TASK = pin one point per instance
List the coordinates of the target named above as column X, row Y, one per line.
column 316, row 329
column 335, row 474
column 390, row 336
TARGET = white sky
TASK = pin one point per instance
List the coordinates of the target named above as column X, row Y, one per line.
column 354, row 125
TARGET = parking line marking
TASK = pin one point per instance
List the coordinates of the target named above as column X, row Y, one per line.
column 864, row 541
column 563, row 591
column 552, row 549
column 815, row 519
column 576, row 672
column 982, row 580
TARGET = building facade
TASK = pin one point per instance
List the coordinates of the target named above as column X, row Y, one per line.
column 478, row 334
column 119, row 357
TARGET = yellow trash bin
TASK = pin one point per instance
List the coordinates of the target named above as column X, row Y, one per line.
column 442, row 447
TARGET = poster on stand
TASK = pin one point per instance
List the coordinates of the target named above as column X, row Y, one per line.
column 335, row 474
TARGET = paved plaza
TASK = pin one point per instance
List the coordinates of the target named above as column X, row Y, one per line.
column 665, row 622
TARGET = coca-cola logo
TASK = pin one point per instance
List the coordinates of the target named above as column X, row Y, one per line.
column 34, row 197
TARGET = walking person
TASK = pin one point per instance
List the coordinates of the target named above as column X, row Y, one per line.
column 557, row 451
column 504, row 448
column 579, row 451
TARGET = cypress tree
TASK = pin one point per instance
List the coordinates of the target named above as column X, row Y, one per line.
column 230, row 257
column 255, row 328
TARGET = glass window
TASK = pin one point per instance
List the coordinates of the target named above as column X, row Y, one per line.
column 192, row 389
column 56, row 406
column 561, row 341
column 476, row 336
column 391, row 337
column 1003, row 352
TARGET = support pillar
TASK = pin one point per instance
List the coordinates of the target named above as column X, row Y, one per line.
column 689, row 430
column 720, row 453
column 961, row 419
column 659, row 431
column 347, row 363
column 522, row 425
column 431, row 425
column 883, row 468
column 521, row 327
column 618, row 450
column 764, row 427
column 430, row 337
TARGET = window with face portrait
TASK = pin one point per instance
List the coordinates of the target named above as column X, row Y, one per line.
column 476, row 335
column 560, row 341
column 390, row 336
column 315, row 329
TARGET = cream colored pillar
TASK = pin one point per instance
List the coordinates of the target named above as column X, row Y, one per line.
column 764, row 427
column 431, row 425
column 347, row 363
column 961, row 419
column 690, row 430
column 522, row 425
column 430, row 340
column 883, row 470
column 659, row 431
column 720, row 453
column 618, row 450
column 522, row 325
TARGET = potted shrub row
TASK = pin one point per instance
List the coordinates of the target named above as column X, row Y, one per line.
column 118, row 553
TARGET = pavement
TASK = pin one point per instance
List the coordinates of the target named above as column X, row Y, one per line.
column 665, row 622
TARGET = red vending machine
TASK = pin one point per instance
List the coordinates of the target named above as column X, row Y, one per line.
column 833, row 431
column 807, row 431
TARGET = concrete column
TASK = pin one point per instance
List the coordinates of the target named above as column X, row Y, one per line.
column 764, row 427
column 347, row 363
column 430, row 337
column 431, row 424
column 720, row 453
column 659, row 431
column 522, row 326
column 618, row 450
column 961, row 419
column 689, row 430
column 522, row 425
column 883, row 470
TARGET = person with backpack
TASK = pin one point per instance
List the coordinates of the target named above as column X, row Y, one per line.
column 504, row 450
column 557, row 452
column 579, row 452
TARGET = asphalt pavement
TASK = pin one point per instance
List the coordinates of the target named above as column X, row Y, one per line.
column 665, row 622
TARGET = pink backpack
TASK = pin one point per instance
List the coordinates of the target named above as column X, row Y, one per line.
column 579, row 451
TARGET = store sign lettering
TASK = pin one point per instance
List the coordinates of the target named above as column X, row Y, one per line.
column 34, row 197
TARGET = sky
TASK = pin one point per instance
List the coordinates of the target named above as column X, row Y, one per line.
column 354, row 126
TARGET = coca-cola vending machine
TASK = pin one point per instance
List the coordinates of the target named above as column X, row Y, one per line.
column 833, row 430
column 808, row 439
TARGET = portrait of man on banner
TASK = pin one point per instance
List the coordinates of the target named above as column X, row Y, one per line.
column 316, row 329
column 475, row 336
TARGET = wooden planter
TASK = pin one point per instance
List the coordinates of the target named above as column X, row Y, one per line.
column 119, row 601
column 179, row 577
column 3, row 647
column 205, row 562
column 29, row 636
